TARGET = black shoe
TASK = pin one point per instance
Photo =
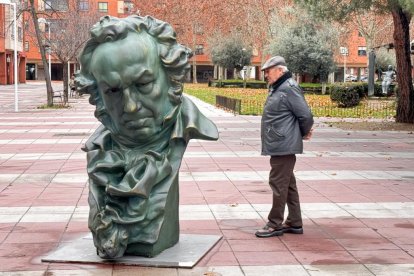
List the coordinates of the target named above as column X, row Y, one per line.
column 292, row 229
column 267, row 232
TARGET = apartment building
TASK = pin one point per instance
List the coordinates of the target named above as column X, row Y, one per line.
column 7, row 45
column 51, row 11
column 353, row 59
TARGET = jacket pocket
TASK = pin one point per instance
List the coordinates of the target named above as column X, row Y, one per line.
column 274, row 135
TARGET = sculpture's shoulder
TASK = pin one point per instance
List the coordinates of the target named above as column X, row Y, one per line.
column 100, row 139
column 192, row 124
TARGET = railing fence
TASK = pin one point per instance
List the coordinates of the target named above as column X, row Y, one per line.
column 365, row 109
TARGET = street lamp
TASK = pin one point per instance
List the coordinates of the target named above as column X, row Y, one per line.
column 44, row 21
column 344, row 52
column 16, row 95
column 242, row 67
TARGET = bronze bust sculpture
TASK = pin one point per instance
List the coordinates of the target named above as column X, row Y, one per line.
column 133, row 70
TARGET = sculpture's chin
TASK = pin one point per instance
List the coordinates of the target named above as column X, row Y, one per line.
column 143, row 133
column 138, row 136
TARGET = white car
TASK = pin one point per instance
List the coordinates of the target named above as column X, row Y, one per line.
column 351, row 78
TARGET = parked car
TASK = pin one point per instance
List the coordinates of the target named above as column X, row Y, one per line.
column 351, row 78
column 364, row 78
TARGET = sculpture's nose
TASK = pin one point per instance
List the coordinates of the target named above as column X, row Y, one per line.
column 130, row 104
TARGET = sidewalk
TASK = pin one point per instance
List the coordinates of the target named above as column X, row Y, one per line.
column 357, row 193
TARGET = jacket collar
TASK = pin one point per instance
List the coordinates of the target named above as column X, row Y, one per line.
column 281, row 80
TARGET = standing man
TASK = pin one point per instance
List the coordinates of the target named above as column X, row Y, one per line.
column 286, row 121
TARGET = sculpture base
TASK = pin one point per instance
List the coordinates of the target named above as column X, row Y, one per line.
column 186, row 253
column 151, row 250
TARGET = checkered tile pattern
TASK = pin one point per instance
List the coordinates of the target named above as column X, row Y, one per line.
column 356, row 188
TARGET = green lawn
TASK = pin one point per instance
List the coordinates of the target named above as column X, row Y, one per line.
column 252, row 101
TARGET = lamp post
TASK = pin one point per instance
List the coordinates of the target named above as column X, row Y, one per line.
column 344, row 52
column 16, row 95
column 242, row 67
column 44, row 21
column 371, row 70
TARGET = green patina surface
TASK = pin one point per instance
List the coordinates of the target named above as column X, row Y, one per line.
column 133, row 68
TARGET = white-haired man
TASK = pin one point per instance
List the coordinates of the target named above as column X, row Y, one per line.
column 286, row 121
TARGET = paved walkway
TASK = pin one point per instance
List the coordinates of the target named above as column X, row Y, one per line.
column 357, row 190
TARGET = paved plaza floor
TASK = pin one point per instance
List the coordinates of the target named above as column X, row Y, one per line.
column 356, row 188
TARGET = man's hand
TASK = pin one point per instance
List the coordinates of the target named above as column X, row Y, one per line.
column 309, row 135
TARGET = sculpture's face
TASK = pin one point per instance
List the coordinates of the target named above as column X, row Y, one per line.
column 133, row 86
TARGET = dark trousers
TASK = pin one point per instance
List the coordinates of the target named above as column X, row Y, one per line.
column 283, row 184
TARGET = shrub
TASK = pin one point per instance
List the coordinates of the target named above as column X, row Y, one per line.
column 347, row 94
column 238, row 83
column 315, row 88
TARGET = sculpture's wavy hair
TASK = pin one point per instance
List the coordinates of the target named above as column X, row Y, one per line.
column 174, row 56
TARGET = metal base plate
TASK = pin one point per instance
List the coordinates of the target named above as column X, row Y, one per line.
column 186, row 253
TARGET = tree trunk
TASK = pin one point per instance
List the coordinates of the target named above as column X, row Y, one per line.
column 323, row 88
column 49, row 89
column 65, row 83
column 405, row 104
column 194, row 70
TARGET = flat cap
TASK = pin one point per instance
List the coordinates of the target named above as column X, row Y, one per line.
column 274, row 61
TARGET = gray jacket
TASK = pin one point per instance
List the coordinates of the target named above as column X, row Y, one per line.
column 286, row 118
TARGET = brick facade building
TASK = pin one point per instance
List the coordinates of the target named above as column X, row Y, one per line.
column 7, row 46
column 31, row 66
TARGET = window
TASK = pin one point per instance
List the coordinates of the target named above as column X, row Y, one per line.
column 48, row 4
column 2, row 33
column 103, row 6
column 362, row 51
column 47, row 27
column 26, row 46
column 128, row 7
column 83, row 5
column 198, row 28
column 20, row 33
column 199, row 49
column 56, row 5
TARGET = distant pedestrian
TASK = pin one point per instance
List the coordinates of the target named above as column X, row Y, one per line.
column 72, row 86
column 286, row 121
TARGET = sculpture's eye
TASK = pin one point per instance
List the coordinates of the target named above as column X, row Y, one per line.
column 113, row 90
column 145, row 87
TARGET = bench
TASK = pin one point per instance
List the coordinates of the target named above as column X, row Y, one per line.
column 58, row 94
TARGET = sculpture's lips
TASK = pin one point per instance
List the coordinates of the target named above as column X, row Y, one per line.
column 138, row 123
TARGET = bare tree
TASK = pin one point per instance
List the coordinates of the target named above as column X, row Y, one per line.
column 70, row 32
column 375, row 28
column 31, row 8
column 259, row 18
column 193, row 23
